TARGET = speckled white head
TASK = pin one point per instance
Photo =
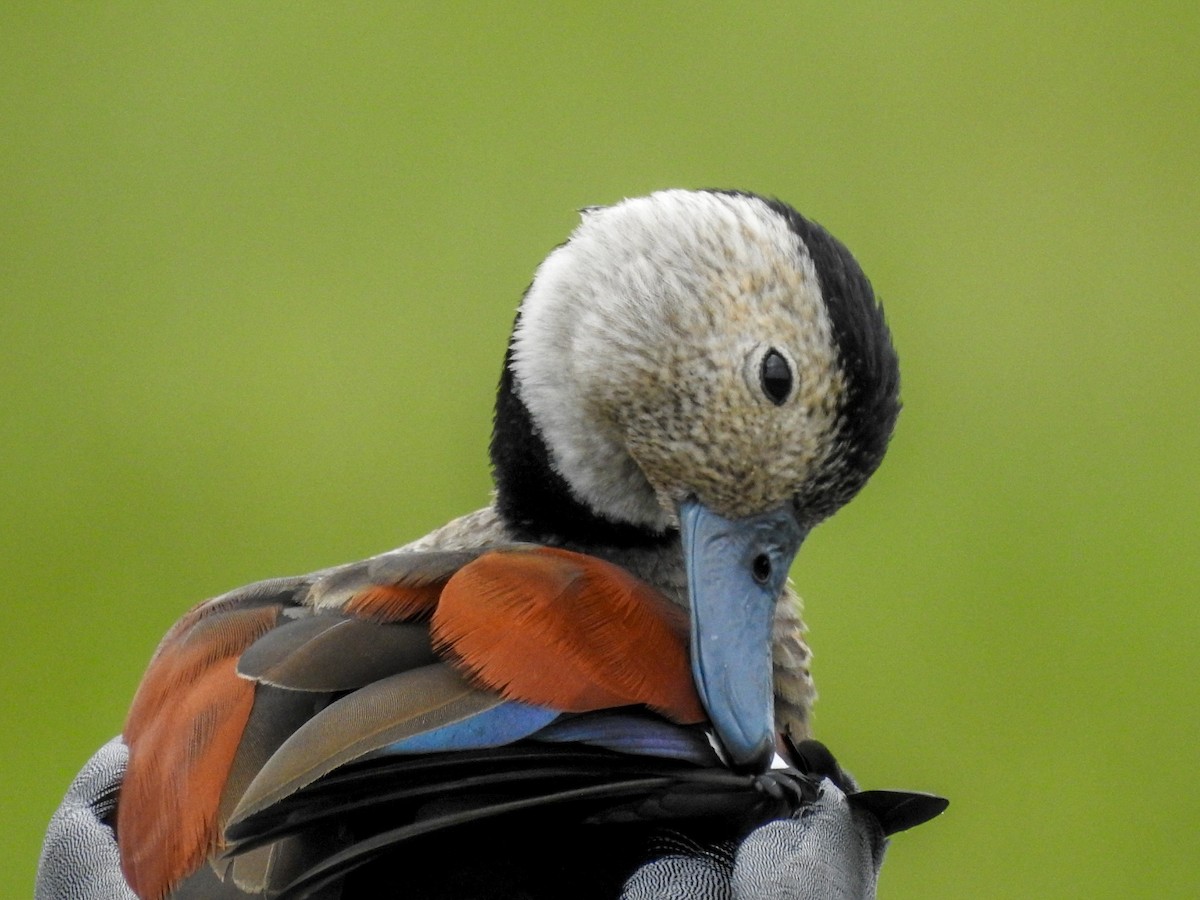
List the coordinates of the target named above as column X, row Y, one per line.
column 639, row 355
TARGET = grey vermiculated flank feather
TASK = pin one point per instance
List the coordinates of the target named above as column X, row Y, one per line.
column 79, row 857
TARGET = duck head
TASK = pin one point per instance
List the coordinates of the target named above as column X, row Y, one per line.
column 702, row 367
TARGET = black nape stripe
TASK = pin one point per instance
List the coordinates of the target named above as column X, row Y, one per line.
column 534, row 500
column 864, row 344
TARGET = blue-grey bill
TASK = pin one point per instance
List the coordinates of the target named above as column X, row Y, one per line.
column 736, row 570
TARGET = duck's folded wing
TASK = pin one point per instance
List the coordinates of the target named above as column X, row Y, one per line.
column 256, row 694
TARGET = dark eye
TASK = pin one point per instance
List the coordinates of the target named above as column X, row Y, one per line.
column 776, row 377
column 760, row 568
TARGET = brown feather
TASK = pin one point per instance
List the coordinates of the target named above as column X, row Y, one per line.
column 568, row 631
column 275, row 716
column 372, row 717
column 328, row 652
column 394, row 602
column 401, row 584
column 183, row 731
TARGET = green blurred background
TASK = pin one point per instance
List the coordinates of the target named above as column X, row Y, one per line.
column 258, row 266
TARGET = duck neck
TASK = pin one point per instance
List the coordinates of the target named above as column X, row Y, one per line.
column 534, row 499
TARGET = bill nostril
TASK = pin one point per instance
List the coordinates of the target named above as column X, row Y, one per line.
column 760, row 568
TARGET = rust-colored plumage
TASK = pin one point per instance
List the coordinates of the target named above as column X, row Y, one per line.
column 568, row 631
column 395, row 602
column 183, row 732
